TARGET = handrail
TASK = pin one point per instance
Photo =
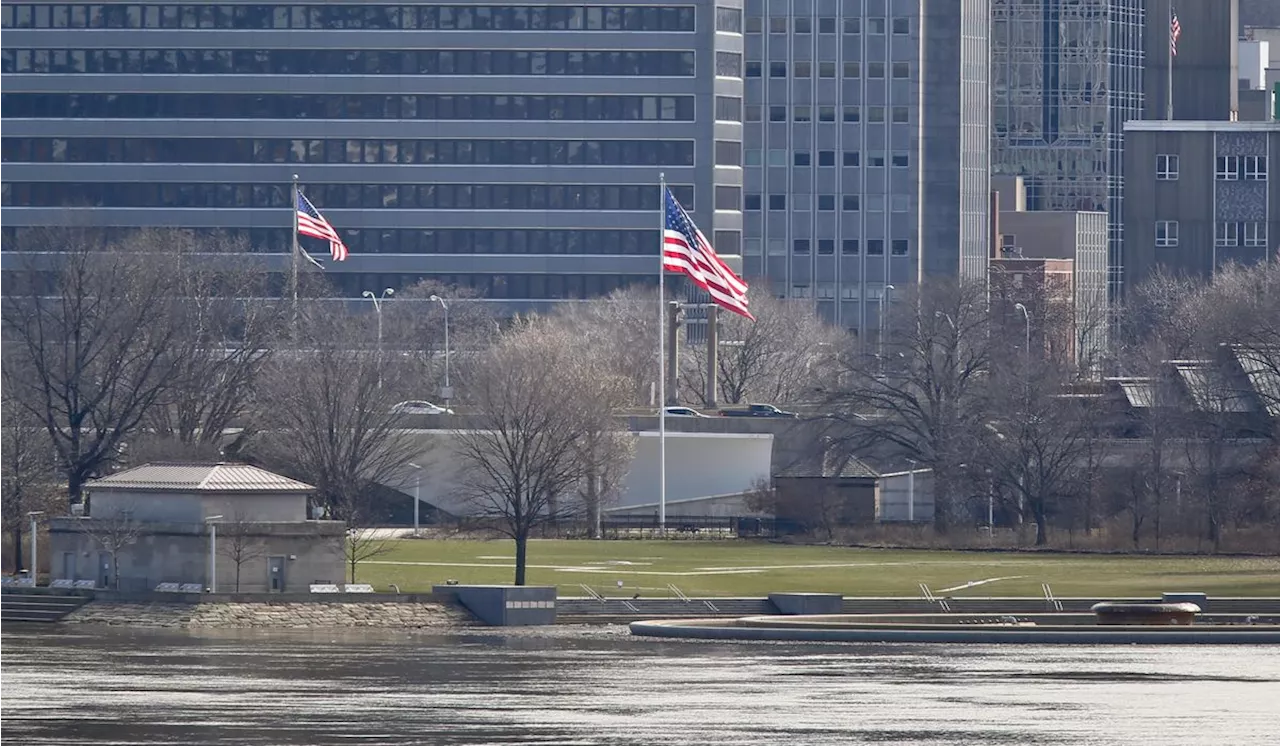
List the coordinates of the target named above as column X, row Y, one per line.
column 678, row 593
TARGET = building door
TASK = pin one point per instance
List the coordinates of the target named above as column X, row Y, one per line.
column 68, row 566
column 275, row 574
column 104, row 570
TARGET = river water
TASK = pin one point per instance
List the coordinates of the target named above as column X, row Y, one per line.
column 79, row 685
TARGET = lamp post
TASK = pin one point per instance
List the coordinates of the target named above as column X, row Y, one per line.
column 1026, row 315
column 377, row 309
column 417, row 486
column 447, row 393
column 213, row 552
column 34, row 515
column 884, row 322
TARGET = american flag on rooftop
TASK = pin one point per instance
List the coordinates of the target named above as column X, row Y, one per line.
column 1175, row 31
column 312, row 223
column 685, row 249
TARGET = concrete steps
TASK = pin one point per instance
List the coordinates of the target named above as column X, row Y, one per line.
column 38, row 607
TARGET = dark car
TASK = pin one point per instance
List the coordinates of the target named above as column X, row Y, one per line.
column 757, row 410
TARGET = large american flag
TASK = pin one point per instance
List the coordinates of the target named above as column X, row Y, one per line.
column 1175, row 30
column 685, row 249
column 312, row 223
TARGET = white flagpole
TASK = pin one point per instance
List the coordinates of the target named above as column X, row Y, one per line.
column 293, row 259
column 662, row 353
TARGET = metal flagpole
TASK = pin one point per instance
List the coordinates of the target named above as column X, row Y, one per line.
column 293, row 259
column 662, row 353
column 1172, row 41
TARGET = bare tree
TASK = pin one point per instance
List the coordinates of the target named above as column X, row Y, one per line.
column 921, row 393
column 414, row 335
column 537, row 401
column 623, row 329
column 779, row 357
column 113, row 533
column 1042, row 436
column 96, row 349
column 228, row 330
column 329, row 417
column 26, row 468
column 240, row 541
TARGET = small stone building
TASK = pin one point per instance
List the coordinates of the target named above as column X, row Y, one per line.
column 155, row 524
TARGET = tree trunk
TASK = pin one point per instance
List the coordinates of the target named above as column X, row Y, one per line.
column 1042, row 523
column 74, row 490
column 238, row 576
column 522, row 547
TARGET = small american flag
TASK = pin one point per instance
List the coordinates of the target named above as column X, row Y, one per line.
column 685, row 249
column 312, row 223
column 1175, row 30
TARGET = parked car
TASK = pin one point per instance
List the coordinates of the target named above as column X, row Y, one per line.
column 757, row 410
column 684, row 412
column 420, row 407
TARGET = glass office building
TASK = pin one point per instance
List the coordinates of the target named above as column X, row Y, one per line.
column 1066, row 77
column 514, row 149
column 866, row 148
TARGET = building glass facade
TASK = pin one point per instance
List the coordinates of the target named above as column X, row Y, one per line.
column 866, row 148
column 1066, row 76
column 515, row 149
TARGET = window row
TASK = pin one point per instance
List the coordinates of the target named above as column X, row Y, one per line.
column 339, row 196
column 1251, row 233
column 805, row 69
column 853, row 113
column 827, row 202
column 1238, row 167
column 826, row 25
column 511, row 286
column 849, row 246
column 349, row 62
column 354, row 16
column 442, row 240
column 827, row 247
column 851, row 158
column 347, row 106
column 251, row 150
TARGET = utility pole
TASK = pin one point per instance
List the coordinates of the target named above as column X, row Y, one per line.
column 675, row 317
column 713, row 354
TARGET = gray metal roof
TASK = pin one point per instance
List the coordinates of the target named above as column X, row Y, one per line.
column 199, row 478
column 833, row 466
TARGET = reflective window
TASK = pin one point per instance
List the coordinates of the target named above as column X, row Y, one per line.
column 728, row 109
column 345, row 196
column 342, row 62
column 348, row 106
column 366, row 17
column 729, row 64
column 260, row 150
column 729, row 19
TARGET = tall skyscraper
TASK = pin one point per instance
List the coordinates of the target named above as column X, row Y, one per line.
column 1066, row 76
column 866, row 148
column 514, row 149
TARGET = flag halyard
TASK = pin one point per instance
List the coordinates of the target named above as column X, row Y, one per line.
column 686, row 250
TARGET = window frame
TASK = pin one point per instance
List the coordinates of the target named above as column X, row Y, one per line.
column 1166, row 234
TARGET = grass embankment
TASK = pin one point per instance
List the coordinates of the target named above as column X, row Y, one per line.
column 739, row 568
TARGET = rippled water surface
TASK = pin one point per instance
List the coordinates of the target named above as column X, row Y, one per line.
column 600, row 686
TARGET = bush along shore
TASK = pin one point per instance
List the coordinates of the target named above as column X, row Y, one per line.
column 286, row 615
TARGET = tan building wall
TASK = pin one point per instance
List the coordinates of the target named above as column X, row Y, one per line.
column 303, row 552
column 191, row 507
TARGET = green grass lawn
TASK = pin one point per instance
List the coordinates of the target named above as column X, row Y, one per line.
column 742, row 568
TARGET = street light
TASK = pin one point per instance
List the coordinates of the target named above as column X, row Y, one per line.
column 447, row 393
column 1027, row 316
column 417, row 485
column 884, row 323
column 213, row 552
column 377, row 309
column 34, row 515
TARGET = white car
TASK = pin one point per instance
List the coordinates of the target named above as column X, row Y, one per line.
column 683, row 412
column 419, row 407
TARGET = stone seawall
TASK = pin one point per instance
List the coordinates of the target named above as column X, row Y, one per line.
column 268, row 615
